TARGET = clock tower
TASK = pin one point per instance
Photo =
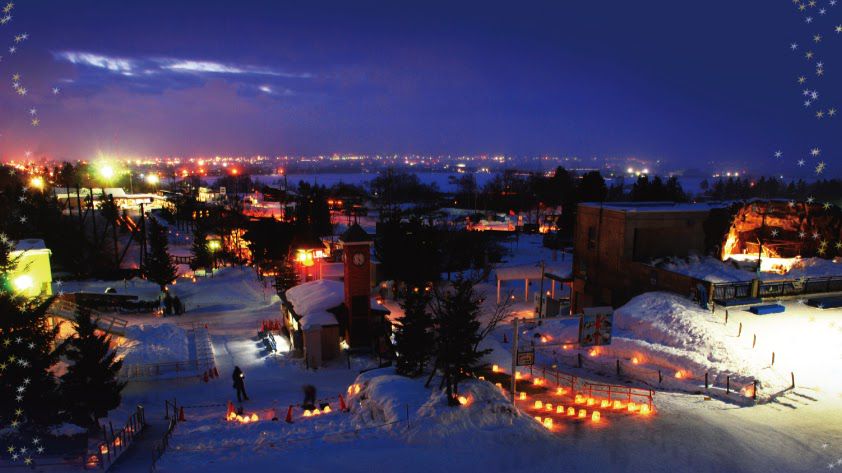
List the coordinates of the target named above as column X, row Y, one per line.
column 356, row 247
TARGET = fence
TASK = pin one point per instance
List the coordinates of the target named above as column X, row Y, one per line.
column 159, row 449
column 115, row 443
column 611, row 392
column 65, row 309
column 735, row 291
column 203, row 362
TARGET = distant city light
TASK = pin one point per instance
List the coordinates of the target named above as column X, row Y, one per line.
column 37, row 182
column 152, row 179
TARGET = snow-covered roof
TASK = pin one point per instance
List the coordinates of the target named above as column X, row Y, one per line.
column 315, row 296
column 655, row 206
column 30, row 245
column 321, row 318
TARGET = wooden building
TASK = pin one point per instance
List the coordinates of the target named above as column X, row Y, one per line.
column 614, row 242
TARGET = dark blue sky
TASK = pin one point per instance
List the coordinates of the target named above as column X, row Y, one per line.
column 685, row 82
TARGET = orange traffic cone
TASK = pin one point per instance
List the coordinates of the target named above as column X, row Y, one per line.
column 342, row 406
column 229, row 410
column 215, row 372
column 205, row 377
column 289, row 415
column 181, row 414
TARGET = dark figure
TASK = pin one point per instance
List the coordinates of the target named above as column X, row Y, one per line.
column 309, row 397
column 167, row 304
column 240, row 384
column 178, row 306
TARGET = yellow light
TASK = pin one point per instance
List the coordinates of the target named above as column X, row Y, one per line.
column 213, row 245
column 539, row 404
column 106, row 172
column 22, row 283
column 152, row 179
column 560, row 391
column 583, row 413
column 596, row 416
column 549, row 407
column 644, row 410
column 254, row 418
column 327, row 410
column 522, row 396
column 559, row 409
column 37, row 182
column 548, row 423
column 571, row 411
column 463, row 400
column 495, row 369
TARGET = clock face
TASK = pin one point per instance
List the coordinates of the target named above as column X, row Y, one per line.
column 358, row 259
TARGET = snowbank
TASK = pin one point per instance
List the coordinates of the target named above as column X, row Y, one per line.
column 705, row 268
column 388, row 398
column 322, row 318
column 154, row 344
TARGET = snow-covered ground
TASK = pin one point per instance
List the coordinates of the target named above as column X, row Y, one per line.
column 714, row 270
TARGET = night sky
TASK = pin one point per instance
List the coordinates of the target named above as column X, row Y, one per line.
column 685, row 82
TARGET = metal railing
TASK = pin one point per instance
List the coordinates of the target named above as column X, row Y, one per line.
column 161, row 447
column 734, row 291
column 115, row 443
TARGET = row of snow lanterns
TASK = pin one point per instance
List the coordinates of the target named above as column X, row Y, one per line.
column 242, row 419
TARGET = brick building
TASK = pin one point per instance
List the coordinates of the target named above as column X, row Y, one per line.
column 615, row 241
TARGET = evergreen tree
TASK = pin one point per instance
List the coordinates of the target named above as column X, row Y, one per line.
column 414, row 337
column 157, row 266
column 27, row 386
column 287, row 276
column 90, row 388
column 456, row 317
column 202, row 257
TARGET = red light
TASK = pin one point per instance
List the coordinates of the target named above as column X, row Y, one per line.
column 235, row 171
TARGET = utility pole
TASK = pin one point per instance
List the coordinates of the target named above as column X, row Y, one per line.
column 514, row 358
column 541, row 298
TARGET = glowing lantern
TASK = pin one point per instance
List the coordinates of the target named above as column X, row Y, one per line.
column 591, row 401
column 103, row 449
column 537, row 382
column 679, row 374
column 559, row 409
column 560, row 391
column 463, row 400
column 254, row 418
column 522, row 396
column 307, row 413
column 356, row 389
column 499, row 385
column 579, row 399
column 518, row 375
column 635, row 361
column 593, row 352
column 539, row 404
column 539, row 419
column 118, row 441
column 232, row 416
column 571, row 411
column 605, row 403
column 37, row 182
column 544, row 340
column 548, row 423
column 644, row 410
column 495, row 369
column 596, row 416
column 327, row 410
column 93, row 462
column 23, row 283
column 481, row 378
column 583, row 413
column 618, row 405
column 316, row 411
column 632, row 407
column 566, row 346
column 549, row 407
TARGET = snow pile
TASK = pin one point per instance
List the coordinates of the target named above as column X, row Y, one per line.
column 815, row 268
column 67, row 430
column 388, row 398
column 321, row 318
column 316, row 296
column 154, row 344
column 705, row 268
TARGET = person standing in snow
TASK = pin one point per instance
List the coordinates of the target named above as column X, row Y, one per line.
column 240, row 384
column 309, row 397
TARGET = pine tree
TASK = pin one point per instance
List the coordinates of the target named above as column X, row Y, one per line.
column 414, row 337
column 157, row 266
column 456, row 317
column 202, row 257
column 90, row 388
column 287, row 276
column 27, row 386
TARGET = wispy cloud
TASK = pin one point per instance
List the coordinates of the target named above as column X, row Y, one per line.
column 151, row 73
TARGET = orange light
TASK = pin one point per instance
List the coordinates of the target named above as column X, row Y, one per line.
column 118, row 441
column 518, row 375
column 679, row 375
column 596, row 416
column 605, row 403
column 254, row 418
column 499, row 385
column 548, row 407
column 522, row 396
column 316, row 411
column 583, row 413
column 579, row 399
column 495, row 369
column 356, row 389
column 463, row 400
column 618, row 405
column 539, row 419
column 103, row 449
column 571, row 411
column 644, row 410
column 560, row 391
column 559, row 409
column 539, row 404
column 593, row 352
column 307, row 413
column 327, row 410
column 635, row 361
column 632, row 407
column 548, row 423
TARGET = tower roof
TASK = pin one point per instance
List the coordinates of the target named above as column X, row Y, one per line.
column 355, row 234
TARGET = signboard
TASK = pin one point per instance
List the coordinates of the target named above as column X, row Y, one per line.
column 222, row 190
column 525, row 358
column 595, row 326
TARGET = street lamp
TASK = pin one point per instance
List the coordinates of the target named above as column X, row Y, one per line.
column 37, row 182
column 152, row 179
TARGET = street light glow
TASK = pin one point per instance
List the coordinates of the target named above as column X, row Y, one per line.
column 152, row 179
column 106, row 172
column 37, row 182
column 22, row 283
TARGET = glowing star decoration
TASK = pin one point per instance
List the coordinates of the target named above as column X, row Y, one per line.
column 820, row 167
column 779, row 154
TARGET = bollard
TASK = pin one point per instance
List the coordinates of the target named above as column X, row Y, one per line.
column 579, row 359
column 754, row 341
column 740, row 331
column 773, row 358
column 792, row 373
column 728, row 384
column 706, row 380
column 660, row 377
column 289, row 415
column 618, row 367
column 726, row 316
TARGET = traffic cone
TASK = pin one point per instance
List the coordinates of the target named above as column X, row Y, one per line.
column 215, row 372
column 289, row 415
column 342, row 406
column 229, row 410
column 205, row 377
column 181, row 414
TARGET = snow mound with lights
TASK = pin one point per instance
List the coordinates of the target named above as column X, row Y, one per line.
column 387, row 398
column 668, row 333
